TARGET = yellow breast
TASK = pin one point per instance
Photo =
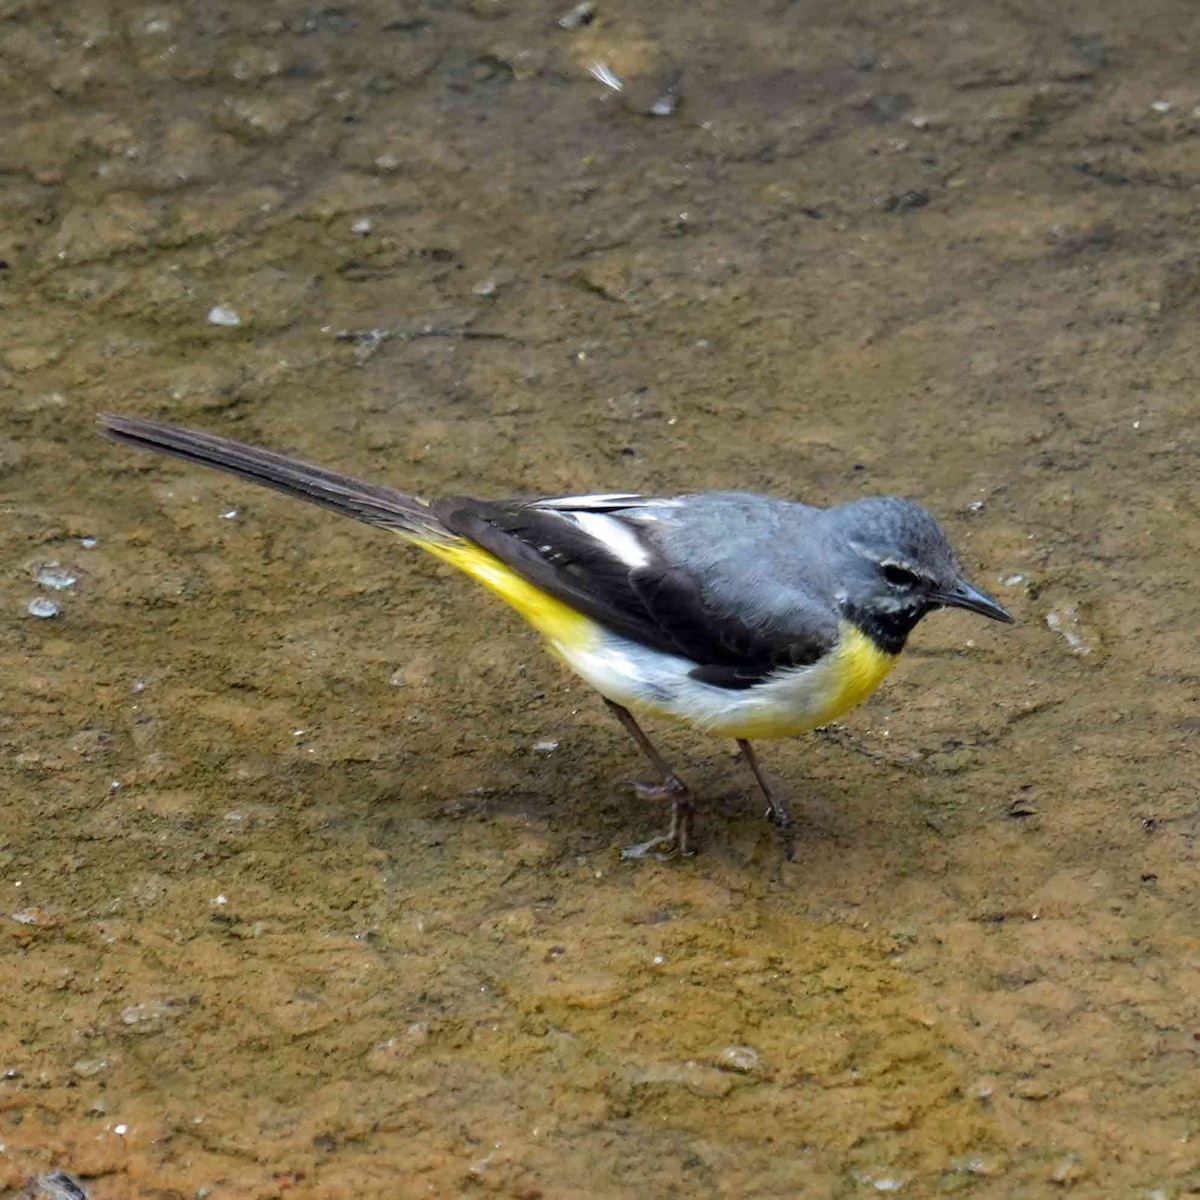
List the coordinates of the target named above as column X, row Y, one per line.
column 801, row 698
column 858, row 668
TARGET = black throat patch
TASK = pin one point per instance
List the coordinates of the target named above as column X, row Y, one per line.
column 888, row 630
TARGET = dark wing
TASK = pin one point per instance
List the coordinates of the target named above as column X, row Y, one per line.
column 614, row 572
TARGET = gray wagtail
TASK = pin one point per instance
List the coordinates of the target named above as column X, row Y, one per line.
column 746, row 616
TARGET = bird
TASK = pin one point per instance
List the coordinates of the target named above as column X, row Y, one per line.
column 746, row 616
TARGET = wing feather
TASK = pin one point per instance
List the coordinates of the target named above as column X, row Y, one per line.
column 612, row 569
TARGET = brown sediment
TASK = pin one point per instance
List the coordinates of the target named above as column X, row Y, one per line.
column 291, row 906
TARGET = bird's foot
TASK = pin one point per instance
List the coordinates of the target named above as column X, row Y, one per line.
column 666, row 845
column 781, row 818
column 678, row 840
column 778, row 813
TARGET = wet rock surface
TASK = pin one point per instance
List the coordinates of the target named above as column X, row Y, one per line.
column 297, row 897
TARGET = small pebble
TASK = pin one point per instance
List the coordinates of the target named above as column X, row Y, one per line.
column 1012, row 580
column 706, row 1082
column 43, row 608
column 1065, row 622
column 58, row 1185
column 664, row 105
column 362, row 227
column 230, row 515
column 220, row 315
column 977, row 1164
column 659, row 102
column 545, row 747
column 33, row 916
column 577, row 17
column 739, row 1058
column 56, row 577
column 88, row 543
column 902, row 202
column 146, row 1014
column 1161, row 106
column 1068, row 1170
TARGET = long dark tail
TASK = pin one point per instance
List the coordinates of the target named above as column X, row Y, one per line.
column 340, row 493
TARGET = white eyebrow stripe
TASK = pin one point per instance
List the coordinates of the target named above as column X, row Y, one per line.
column 614, row 535
column 907, row 566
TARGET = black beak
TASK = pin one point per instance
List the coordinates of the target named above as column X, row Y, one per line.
column 964, row 595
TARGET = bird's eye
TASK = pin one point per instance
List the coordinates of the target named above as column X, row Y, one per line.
column 899, row 576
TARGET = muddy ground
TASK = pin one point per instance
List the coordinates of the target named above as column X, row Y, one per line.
column 291, row 903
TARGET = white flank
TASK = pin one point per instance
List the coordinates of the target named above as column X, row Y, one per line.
column 651, row 682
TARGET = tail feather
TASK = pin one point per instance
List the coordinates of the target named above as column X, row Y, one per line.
column 343, row 494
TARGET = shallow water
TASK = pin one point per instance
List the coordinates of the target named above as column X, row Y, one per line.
column 293, row 903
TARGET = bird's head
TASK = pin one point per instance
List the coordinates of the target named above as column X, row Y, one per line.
column 892, row 565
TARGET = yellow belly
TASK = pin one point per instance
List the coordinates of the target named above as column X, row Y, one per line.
column 795, row 702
